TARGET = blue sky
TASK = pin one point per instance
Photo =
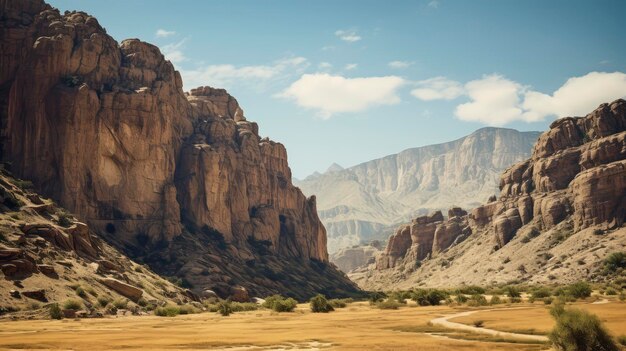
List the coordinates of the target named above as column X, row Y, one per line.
column 349, row 81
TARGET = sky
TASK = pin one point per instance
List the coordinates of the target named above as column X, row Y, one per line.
column 353, row 80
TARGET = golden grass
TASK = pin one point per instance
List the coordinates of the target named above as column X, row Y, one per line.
column 535, row 318
column 358, row 327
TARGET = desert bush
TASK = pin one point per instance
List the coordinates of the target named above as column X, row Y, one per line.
column 428, row 297
column 478, row 323
column 376, row 296
column 388, row 304
column 512, row 291
column 72, row 305
column 65, row 219
column 120, row 304
column 319, row 304
column 142, row 302
column 541, row 293
column 579, row 290
column 103, row 301
column 610, row 291
column 515, row 299
column 477, row 300
column 338, row 303
column 622, row 296
column 471, row 290
column 81, row 292
column 615, row 261
column 55, row 311
column 167, row 311
column 460, row 298
column 622, row 340
column 244, row 306
column 188, row 309
column 280, row 304
column 224, row 308
column 547, row 300
column 578, row 330
column 495, row 300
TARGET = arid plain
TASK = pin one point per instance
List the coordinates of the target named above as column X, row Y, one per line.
column 359, row 326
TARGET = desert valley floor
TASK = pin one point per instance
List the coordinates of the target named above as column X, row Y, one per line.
column 356, row 327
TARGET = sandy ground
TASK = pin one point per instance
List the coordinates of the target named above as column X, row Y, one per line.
column 357, row 327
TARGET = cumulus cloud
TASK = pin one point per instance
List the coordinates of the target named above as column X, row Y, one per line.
column 399, row 64
column 325, row 65
column 348, row 35
column 351, row 66
column 496, row 100
column 162, row 33
column 226, row 74
column 174, row 51
column 331, row 94
column 438, row 88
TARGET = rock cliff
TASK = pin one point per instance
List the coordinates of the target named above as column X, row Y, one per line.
column 365, row 202
column 566, row 203
column 106, row 130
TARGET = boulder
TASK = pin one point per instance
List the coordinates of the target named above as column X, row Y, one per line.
column 122, row 288
column 39, row 295
column 239, row 294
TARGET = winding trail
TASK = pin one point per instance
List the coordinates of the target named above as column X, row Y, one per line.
column 444, row 322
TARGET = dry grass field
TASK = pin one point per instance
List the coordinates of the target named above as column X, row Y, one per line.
column 357, row 327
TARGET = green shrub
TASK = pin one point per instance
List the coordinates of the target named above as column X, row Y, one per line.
column 472, row 290
column 338, row 303
column 120, row 304
column 188, row 309
column 55, row 311
column 578, row 330
column 614, row 261
column 428, row 297
column 280, row 304
column 72, row 305
column 65, row 219
column 610, row 291
column 319, row 304
column 103, row 301
column 477, row 300
column 547, row 300
column 622, row 340
column 512, row 291
column 142, row 302
column 225, row 308
column 495, row 300
column 167, row 311
column 81, row 292
column 579, row 290
column 376, row 296
column 541, row 293
column 388, row 304
column 244, row 306
column 460, row 298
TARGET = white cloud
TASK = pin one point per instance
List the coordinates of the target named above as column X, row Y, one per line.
column 351, row 66
column 162, row 33
column 399, row 64
column 227, row 74
column 433, row 4
column 174, row 52
column 336, row 94
column 577, row 97
column 325, row 65
column 348, row 35
column 496, row 100
column 438, row 88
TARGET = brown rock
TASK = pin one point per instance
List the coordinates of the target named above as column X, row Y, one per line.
column 47, row 270
column 39, row 295
column 239, row 294
column 123, row 289
column 506, row 225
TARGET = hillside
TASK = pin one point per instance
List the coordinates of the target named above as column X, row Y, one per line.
column 560, row 213
column 181, row 181
column 365, row 202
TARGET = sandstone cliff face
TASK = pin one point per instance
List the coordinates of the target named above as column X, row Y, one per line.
column 365, row 202
column 567, row 200
column 106, row 130
column 351, row 258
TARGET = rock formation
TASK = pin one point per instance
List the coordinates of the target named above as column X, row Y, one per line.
column 350, row 258
column 107, row 131
column 367, row 201
column 567, row 201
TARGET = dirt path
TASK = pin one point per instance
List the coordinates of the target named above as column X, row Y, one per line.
column 444, row 322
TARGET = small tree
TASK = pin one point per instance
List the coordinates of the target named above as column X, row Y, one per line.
column 319, row 304
column 578, row 330
column 55, row 311
column 225, row 308
column 579, row 290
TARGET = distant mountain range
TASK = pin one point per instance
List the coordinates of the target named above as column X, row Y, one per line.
column 365, row 202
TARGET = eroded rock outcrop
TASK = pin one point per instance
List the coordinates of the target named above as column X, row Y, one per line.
column 575, row 179
column 106, row 130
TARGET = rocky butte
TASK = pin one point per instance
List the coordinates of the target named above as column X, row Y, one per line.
column 558, row 215
column 180, row 181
